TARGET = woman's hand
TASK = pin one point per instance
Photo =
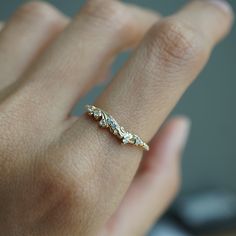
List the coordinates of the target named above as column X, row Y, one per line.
column 62, row 175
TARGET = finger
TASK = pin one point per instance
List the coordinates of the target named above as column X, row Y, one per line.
column 148, row 87
column 145, row 19
column 28, row 32
column 72, row 64
column 156, row 183
column 171, row 56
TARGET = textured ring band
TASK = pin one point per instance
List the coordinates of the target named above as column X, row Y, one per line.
column 107, row 121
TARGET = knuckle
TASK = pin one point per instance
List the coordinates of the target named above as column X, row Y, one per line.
column 176, row 43
column 64, row 189
column 111, row 13
column 74, row 177
column 40, row 11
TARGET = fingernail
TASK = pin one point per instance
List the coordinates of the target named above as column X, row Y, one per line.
column 223, row 4
column 178, row 136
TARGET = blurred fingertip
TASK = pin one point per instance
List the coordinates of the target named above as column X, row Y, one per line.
column 223, row 5
column 172, row 138
column 180, row 132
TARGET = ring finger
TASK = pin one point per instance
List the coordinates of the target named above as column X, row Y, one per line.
column 144, row 92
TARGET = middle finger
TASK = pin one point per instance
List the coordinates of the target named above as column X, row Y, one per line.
column 70, row 66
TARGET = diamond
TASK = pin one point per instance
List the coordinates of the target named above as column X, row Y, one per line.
column 97, row 114
column 109, row 120
column 138, row 141
column 102, row 123
column 126, row 138
column 112, row 123
column 90, row 109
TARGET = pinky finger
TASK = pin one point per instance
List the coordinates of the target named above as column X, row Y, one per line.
column 155, row 184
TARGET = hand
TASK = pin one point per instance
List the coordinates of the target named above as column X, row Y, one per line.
column 63, row 175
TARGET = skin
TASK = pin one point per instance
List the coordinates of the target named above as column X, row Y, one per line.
column 62, row 175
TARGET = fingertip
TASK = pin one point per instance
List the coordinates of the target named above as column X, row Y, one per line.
column 212, row 19
column 224, row 6
column 171, row 140
column 182, row 124
column 143, row 18
column 178, row 135
column 148, row 15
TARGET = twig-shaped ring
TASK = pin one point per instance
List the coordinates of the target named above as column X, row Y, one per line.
column 107, row 121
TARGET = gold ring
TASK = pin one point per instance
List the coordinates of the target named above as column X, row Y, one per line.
column 107, row 121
